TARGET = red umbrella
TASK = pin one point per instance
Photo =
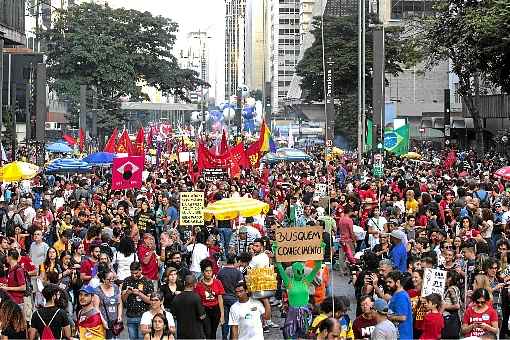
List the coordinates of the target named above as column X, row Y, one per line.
column 503, row 173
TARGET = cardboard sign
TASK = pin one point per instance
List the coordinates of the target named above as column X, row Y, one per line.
column 434, row 281
column 191, row 208
column 127, row 172
column 215, row 174
column 299, row 244
column 321, row 190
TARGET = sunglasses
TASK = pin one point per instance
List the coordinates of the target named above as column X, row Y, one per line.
column 154, row 300
column 478, row 302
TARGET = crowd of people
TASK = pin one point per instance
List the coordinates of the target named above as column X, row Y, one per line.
column 80, row 260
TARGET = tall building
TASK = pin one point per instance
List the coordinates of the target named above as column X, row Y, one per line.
column 195, row 56
column 284, row 48
column 254, row 44
column 234, row 45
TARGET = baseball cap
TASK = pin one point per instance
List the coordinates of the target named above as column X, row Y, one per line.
column 381, row 306
column 88, row 289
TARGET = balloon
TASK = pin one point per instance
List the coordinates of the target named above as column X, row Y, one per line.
column 196, row 116
column 245, row 90
column 229, row 113
column 250, row 101
column 248, row 115
column 216, row 116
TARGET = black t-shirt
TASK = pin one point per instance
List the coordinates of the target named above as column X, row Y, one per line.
column 187, row 309
column 135, row 306
column 169, row 295
column 46, row 313
column 230, row 277
column 10, row 333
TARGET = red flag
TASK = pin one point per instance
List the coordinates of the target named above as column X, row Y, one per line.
column 127, row 172
column 124, row 145
column 82, row 140
column 110, row 145
column 138, row 148
column 208, row 160
column 150, row 136
column 253, row 153
column 70, row 140
column 191, row 171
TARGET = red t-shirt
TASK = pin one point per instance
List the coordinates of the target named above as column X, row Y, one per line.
column 487, row 317
column 16, row 278
column 209, row 293
column 149, row 270
column 433, row 324
column 26, row 263
column 86, row 268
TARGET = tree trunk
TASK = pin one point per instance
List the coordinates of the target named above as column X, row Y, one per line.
column 474, row 112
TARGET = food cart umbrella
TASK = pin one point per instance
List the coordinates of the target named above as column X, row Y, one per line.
column 230, row 208
column 17, row 171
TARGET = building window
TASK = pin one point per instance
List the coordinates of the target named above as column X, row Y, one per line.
column 457, row 97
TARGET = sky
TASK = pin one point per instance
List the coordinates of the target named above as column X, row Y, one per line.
column 191, row 15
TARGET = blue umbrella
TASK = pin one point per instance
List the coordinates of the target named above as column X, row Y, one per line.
column 68, row 165
column 59, row 147
column 286, row 154
column 99, row 158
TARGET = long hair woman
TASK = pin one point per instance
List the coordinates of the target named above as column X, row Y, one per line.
column 159, row 329
column 12, row 321
column 123, row 258
column 50, row 264
column 451, row 306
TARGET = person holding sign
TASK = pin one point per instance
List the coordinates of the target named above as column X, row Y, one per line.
column 299, row 316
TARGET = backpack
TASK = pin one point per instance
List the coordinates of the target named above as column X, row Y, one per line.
column 47, row 333
column 484, row 203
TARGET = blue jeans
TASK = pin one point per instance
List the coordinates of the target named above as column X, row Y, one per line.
column 228, row 301
column 133, row 326
column 225, row 236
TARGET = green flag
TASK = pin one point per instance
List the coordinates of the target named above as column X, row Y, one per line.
column 368, row 135
column 397, row 141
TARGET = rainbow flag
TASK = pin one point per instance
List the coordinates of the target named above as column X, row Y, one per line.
column 267, row 139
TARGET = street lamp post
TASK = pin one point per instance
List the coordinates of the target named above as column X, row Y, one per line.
column 202, row 75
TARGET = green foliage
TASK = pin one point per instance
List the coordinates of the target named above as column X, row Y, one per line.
column 114, row 50
column 341, row 45
column 474, row 36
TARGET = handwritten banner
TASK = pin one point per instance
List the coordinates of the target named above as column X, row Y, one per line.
column 299, row 244
column 434, row 281
column 192, row 208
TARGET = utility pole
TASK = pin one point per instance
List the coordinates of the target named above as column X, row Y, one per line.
column 447, row 117
column 13, row 115
column 1, row 84
column 40, row 109
column 378, row 86
column 361, row 79
column 28, row 115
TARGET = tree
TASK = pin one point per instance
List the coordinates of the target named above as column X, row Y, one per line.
column 114, row 51
column 473, row 35
column 341, row 45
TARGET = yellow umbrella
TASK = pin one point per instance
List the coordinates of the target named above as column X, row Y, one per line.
column 230, row 208
column 17, row 171
column 412, row 155
column 337, row 151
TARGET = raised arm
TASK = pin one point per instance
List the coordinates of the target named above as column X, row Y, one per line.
column 279, row 266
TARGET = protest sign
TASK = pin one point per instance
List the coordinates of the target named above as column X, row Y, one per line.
column 215, row 174
column 434, row 281
column 320, row 190
column 127, row 172
column 192, row 208
column 299, row 244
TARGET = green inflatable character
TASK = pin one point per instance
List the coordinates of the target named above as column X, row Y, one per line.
column 299, row 316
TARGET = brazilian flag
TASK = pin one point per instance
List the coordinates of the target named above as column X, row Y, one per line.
column 397, row 140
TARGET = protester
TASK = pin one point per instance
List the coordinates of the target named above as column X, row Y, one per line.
column 364, row 324
column 156, row 308
column 480, row 319
column 90, row 322
column 400, row 306
column 433, row 323
column 384, row 328
column 50, row 317
column 159, row 329
column 246, row 315
column 108, row 298
column 189, row 312
column 12, row 321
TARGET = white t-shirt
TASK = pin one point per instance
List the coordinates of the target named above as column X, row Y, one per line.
column 199, row 253
column 147, row 319
column 259, row 261
column 247, row 316
column 123, row 270
column 378, row 225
